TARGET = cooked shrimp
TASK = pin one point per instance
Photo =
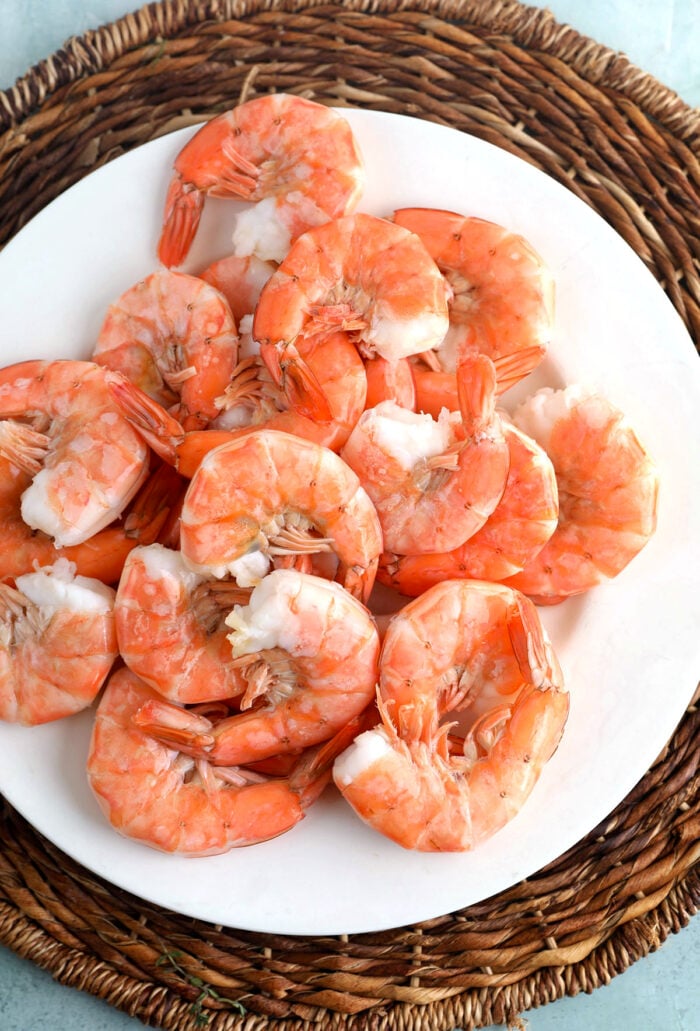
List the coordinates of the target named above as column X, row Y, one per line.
column 57, row 643
column 60, row 423
column 171, row 630
column 240, row 280
column 502, row 294
column 436, row 389
column 295, row 159
column 150, row 792
column 323, row 408
column 271, row 493
column 308, row 651
column 520, row 525
column 175, row 336
column 608, row 488
column 320, row 398
column 434, row 483
column 101, row 556
column 478, row 649
column 390, row 381
column 360, row 274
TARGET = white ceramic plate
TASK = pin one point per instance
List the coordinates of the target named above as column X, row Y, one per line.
column 629, row 650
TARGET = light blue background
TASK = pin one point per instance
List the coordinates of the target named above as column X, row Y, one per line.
column 660, row 992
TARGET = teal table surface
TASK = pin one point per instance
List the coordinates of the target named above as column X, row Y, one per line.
column 658, row 993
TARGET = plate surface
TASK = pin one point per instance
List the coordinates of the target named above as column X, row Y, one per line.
column 629, row 650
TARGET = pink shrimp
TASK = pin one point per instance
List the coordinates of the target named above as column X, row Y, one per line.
column 308, row 652
column 102, row 555
column 240, row 280
column 469, row 647
column 502, row 297
column 61, row 424
column 390, row 381
column 150, row 792
column 170, row 627
column 57, row 643
column 363, row 275
column 434, row 484
column 295, row 159
column 175, row 336
column 608, row 487
column 520, row 525
column 320, row 397
column 271, row 493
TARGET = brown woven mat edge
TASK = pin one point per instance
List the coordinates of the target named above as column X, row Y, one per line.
column 534, row 28
column 531, row 27
column 153, row 1004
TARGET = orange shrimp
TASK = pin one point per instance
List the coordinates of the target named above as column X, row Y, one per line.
column 469, row 647
column 59, row 422
column 434, row 484
column 436, row 389
column 101, row 556
column 150, row 792
column 240, row 280
column 271, row 493
column 308, row 652
column 252, row 399
column 363, row 275
column 502, row 297
column 520, row 525
column 57, row 643
column 320, row 398
column 390, row 381
column 175, row 336
column 295, row 159
column 170, row 627
column 608, row 487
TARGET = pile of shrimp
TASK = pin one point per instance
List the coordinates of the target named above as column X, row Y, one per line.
column 198, row 518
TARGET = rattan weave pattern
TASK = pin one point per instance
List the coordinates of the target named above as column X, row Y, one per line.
column 630, row 148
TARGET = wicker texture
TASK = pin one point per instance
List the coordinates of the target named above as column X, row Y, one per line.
column 629, row 147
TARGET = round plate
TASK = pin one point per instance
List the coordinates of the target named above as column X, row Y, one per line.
column 629, row 649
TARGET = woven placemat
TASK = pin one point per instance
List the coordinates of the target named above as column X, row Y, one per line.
column 626, row 145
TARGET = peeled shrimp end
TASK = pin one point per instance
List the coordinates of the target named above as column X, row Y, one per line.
column 393, row 338
column 365, row 750
column 58, row 586
column 38, row 512
column 248, row 570
column 259, row 231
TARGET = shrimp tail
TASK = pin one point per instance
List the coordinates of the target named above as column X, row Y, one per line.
column 293, row 375
column 359, row 581
column 175, row 727
column 511, row 368
column 303, row 391
column 531, row 647
column 153, row 506
column 314, row 770
column 183, row 209
column 23, row 446
column 476, row 389
column 159, row 429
